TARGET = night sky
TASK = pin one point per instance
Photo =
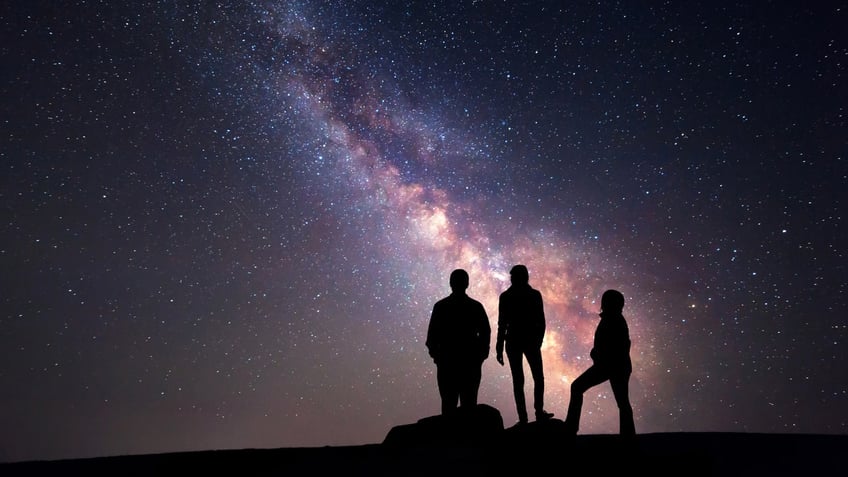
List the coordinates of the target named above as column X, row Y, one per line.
column 224, row 225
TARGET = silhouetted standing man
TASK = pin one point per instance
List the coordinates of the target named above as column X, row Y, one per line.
column 610, row 361
column 521, row 327
column 458, row 340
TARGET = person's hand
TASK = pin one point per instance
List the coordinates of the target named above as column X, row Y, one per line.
column 499, row 357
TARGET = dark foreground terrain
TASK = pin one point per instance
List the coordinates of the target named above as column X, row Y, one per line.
column 540, row 447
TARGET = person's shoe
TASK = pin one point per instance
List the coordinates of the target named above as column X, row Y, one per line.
column 544, row 415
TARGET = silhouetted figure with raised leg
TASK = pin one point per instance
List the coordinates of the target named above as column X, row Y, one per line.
column 521, row 329
column 458, row 340
column 610, row 361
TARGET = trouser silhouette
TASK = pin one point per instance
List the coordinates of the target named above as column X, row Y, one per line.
column 516, row 356
column 458, row 383
column 619, row 381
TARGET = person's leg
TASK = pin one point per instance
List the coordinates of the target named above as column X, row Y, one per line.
column 534, row 360
column 470, row 385
column 445, row 377
column 591, row 377
column 516, row 368
column 620, row 389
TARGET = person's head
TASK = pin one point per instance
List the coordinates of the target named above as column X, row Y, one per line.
column 459, row 280
column 519, row 275
column 612, row 301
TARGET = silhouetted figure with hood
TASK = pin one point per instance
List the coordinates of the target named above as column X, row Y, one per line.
column 458, row 340
column 610, row 361
column 521, row 328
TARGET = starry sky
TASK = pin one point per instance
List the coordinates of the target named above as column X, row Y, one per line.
column 224, row 224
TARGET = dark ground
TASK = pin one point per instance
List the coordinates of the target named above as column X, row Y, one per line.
column 517, row 452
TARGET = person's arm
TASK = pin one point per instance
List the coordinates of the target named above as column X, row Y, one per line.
column 485, row 333
column 502, row 325
column 600, row 353
column 433, row 335
column 540, row 312
column 624, row 339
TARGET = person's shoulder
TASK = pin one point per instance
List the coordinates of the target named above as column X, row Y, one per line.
column 616, row 319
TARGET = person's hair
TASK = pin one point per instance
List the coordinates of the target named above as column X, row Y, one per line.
column 519, row 274
column 612, row 301
column 459, row 279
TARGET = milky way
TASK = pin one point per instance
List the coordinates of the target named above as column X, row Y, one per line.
column 226, row 226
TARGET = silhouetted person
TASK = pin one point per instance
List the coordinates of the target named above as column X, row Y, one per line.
column 610, row 361
column 521, row 327
column 458, row 339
